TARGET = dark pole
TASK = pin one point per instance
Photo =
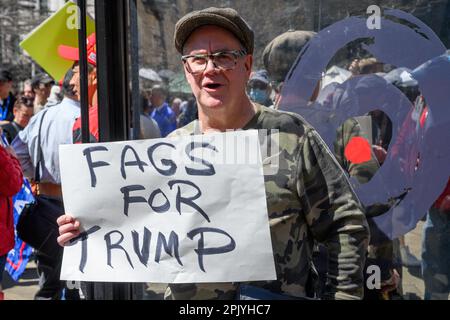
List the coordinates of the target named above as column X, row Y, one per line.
column 134, row 44
column 112, row 69
column 113, row 101
column 84, row 103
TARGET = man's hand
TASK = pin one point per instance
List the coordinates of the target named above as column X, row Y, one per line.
column 380, row 153
column 69, row 228
column 392, row 283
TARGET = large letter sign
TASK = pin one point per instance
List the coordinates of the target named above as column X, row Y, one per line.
column 167, row 210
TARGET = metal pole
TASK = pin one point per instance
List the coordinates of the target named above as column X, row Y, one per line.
column 84, row 103
column 134, row 44
column 113, row 100
column 112, row 70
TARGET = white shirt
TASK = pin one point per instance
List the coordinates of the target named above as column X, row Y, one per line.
column 56, row 129
column 149, row 128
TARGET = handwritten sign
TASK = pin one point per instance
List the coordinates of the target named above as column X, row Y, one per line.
column 173, row 210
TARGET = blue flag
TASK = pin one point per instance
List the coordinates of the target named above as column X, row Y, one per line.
column 18, row 257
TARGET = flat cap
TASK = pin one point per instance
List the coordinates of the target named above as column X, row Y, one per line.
column 260, row 75
column 43, row 78
column 280, row 54
column 226, row 18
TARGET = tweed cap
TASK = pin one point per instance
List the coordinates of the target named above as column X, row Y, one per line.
column 226, row 18
column 280, row 54
column 41, row 78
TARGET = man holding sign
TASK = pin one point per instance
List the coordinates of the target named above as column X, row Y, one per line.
column 307, row 195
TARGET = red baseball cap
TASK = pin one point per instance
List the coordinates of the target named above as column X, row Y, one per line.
column 72, row 53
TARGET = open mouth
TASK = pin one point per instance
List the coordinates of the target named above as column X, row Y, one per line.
column 212, row 85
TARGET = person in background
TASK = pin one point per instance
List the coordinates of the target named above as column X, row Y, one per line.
column 42, row 84
column 382, row 135
column 7, row 99
column 28, row 90
column 56, row 130
column 279, row 55
column 176, row 106
column 336, row 96
column 162, row 113
column 436, row 248
column 23, row 111
column 259, row 89
column 147, row 107
column 72, row 54
column 10, row 183
column 148, row 127
column 188, row 113
column 55, row 97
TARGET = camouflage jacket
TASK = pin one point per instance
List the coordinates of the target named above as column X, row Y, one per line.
column 309, row 198
column 380, row 253
column 363, row 172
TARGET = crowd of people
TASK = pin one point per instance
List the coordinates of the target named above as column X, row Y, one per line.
column 167, row 117
column 322, row 235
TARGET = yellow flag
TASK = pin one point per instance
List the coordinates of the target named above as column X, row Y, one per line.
column 60, row 28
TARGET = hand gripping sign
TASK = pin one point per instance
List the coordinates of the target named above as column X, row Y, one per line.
column 170, row 210
column 417, row 165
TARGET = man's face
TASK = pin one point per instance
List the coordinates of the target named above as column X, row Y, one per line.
column 259, row 91
column 216, row 90
column 22, row 115
column 176, row 106
column 5, row 89
column 43, row 90
column 28, row 91
column 156, row 99
column 75, row 82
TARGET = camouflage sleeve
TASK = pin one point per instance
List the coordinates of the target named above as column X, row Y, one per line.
column 334, row 215
column 363, row 172
column 382, row 255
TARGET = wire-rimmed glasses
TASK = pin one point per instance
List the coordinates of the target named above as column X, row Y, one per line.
column 224, row 60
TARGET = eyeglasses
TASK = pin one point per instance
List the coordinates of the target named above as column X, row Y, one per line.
column 224, row 60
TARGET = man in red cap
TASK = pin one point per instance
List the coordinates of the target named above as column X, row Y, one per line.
column 72, row 53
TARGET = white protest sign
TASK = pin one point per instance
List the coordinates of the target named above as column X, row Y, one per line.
column 174, row 210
